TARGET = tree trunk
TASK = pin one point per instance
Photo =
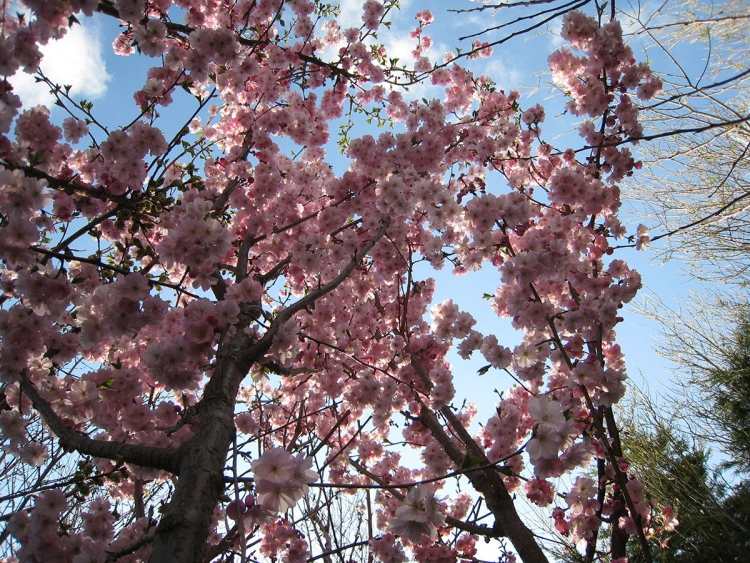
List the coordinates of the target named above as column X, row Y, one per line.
column 183, row 530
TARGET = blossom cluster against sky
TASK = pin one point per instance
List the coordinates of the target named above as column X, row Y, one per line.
column 84, row 60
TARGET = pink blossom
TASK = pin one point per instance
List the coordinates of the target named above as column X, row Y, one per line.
column 282, row 479
column 418, row 515
column 372, row 12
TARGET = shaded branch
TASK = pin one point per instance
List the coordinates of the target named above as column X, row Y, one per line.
column 154, row 457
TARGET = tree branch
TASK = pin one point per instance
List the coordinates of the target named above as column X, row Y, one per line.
column 153, row 457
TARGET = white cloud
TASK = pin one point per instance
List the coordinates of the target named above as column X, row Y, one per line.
column 76, row 59
column 555, row 31
column 506, row 77
column 401, row 46
column 350, row 13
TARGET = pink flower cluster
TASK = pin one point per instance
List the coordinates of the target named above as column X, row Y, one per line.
column 550, row 430
column 281, row 540
column 42, row 538
column 449, row 322
column 74, row 129
column 540, row 492
column 13, row 428
column 194, row 239
column 606, row 55
column 281, row 479
column 372, row 12
column 122, row 167
column 387, row 549
column 418, row 515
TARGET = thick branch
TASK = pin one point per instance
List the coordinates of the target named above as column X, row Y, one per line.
column 182, row 531
column 145, row 456
column 488, row 481
column 319, row 292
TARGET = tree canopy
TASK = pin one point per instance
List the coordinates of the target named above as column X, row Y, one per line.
column 216, row 346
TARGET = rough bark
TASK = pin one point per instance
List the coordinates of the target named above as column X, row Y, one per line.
column 183, row 530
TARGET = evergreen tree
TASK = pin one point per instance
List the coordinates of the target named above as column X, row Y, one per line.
column 714, row 518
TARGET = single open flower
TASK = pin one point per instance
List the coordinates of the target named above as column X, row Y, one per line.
column 418, row 516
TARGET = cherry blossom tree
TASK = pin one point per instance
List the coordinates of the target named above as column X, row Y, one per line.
column 212, row 350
